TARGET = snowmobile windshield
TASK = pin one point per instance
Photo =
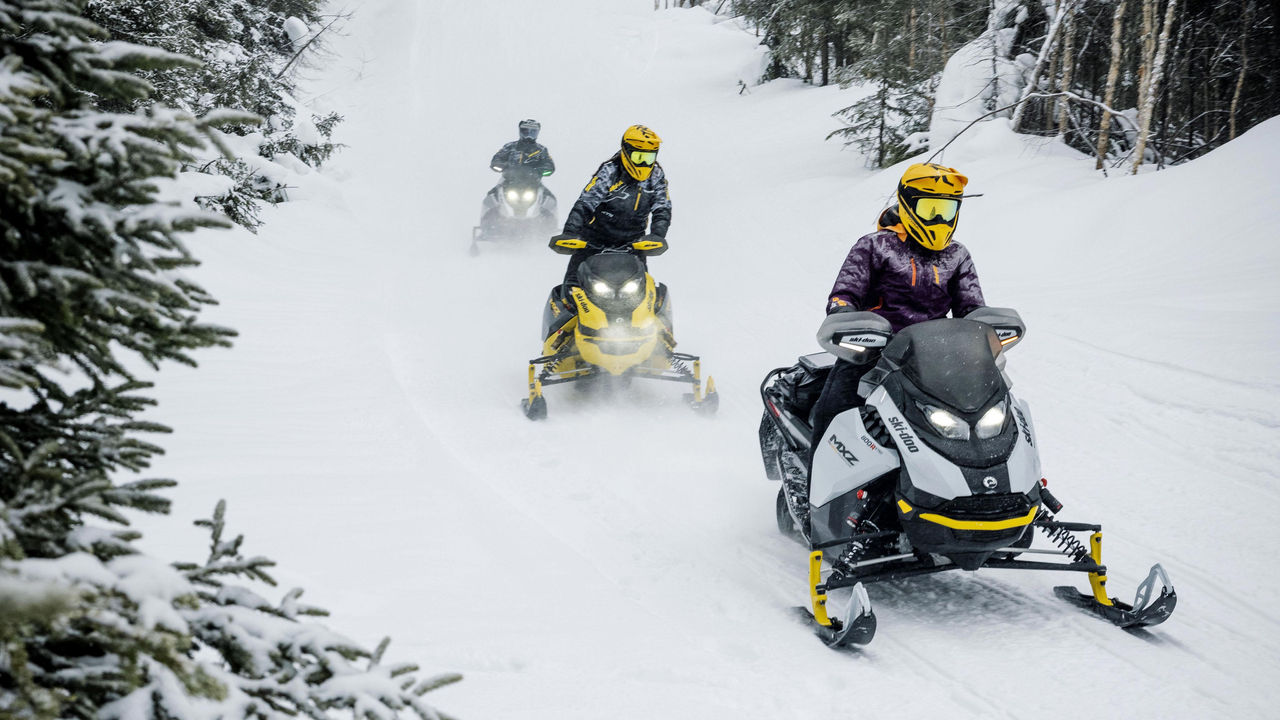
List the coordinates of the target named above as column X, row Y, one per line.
column 953, row 360
column 614, row 281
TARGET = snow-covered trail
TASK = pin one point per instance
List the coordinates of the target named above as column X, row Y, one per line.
column 621, row 560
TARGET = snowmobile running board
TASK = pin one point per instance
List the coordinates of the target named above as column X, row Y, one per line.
column 1151, row 606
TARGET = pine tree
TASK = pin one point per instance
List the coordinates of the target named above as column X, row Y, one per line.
column 245, row 53
column 91, row 270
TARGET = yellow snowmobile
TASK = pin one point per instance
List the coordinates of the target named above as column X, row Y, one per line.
column 615, row 323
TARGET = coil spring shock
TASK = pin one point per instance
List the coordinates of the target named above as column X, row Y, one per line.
column 680, row 366
column 1062, row 537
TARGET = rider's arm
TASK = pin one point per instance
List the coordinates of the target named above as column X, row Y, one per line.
column 592, row 195
column 853, row 282
column 502, row 157
column 966, row 292
column 661, row 207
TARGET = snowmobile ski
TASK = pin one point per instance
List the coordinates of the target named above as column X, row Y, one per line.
column 1145, row 611
column 859, row 624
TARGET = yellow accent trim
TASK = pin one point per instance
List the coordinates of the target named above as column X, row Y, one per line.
column 646, row 245
column 816, row 599
column 1098, row 580
column 904, row 507
column 616, row 185
column 638, row 193
column 590, row 184
column 535, row 152
column 980, row 524
column 1008, row 340
column 936, row 279
column 572, row 243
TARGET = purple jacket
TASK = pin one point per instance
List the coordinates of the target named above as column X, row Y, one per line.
column 904, row 283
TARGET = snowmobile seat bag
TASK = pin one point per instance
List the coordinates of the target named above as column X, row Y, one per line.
column 806, row 379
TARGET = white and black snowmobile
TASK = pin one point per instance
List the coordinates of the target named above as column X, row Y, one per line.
column 938, row 470
column 518, row 208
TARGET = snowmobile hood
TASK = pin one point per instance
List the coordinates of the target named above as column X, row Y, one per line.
column 951, row 359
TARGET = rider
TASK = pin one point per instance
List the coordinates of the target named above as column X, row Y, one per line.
column 524, row 154
column 908, row 271
column 614, row 208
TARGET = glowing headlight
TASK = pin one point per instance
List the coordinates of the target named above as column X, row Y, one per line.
column 528, row 195
column 991, row 422
column 601, row 288
column 631, row 288
column 948, row 426
column 513, row 195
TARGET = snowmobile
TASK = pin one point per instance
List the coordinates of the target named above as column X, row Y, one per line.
column 614, row 325
column 517, row 208
column 938, row 470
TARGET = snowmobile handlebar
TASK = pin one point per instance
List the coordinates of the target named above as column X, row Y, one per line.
column 568, row 244
column 853, row 336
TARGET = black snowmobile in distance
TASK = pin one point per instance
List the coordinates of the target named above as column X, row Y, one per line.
column 518, row 208
column 613, row 326
column 939, row 470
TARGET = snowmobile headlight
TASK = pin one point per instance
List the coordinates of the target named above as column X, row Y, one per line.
column 513, row 195
column 600, row 288
column 528, row 195
column 948, row 426
column 631, row 288
column 991, row 422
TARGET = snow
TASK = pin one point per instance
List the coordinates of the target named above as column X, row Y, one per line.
column 620, row 560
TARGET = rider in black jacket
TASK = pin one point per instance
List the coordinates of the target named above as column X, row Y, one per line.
column 525, row 154
column 614, row 209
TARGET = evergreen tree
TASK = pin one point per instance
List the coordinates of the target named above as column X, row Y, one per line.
column 245, row 50
column 91, row 262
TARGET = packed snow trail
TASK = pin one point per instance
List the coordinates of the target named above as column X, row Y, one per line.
column 620, row 560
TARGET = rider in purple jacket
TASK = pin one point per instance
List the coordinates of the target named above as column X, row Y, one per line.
column 908, row 271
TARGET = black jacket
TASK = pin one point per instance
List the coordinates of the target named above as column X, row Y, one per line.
column 614, row 208
column 523, row 156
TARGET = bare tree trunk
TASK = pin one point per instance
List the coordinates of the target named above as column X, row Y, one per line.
column 1153, row 87
column 1068, row 71
column 1113, row 75
column 1149, row 8
column 1046, row 49
column 911, row 34
column 1244, row 68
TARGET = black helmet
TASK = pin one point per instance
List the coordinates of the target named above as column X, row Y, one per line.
column 529, row 129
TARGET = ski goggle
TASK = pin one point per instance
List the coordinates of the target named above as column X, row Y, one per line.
column 935, row 210
column 642, row 157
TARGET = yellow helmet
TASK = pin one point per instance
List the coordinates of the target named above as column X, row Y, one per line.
column 929, row 203
column 639, row 151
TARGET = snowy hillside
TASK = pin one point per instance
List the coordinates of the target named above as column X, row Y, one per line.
column 621, row 560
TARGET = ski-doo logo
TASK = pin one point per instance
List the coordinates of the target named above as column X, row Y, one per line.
column 1006, row 333
column 1022, row 423
column 839, row 447
column 989, row 482
column 908, row 440
column 868, row 340
column 867, row 441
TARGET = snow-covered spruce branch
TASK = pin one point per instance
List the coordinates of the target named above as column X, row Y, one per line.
column 314, row 37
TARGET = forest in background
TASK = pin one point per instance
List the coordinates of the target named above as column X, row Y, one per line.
column 1129, row 81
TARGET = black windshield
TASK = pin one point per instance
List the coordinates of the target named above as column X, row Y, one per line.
column 951, row 360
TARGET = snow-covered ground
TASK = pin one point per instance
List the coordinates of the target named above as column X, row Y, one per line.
column 621, row 561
